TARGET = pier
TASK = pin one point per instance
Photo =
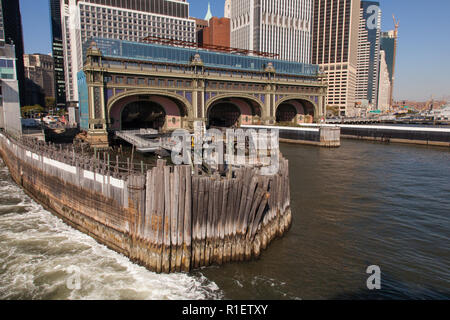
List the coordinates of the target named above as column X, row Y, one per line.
column 146, row 140
column 320, row 136
column 395, row 134
column 166, row 218
column 190, row 85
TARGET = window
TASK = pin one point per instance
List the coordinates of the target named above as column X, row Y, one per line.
column 6, row 63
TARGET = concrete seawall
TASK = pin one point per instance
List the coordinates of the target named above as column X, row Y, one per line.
column 395, row 134
column 167, row 219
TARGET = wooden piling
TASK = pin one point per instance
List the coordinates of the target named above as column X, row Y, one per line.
column 166, row 221
column 175, row 177
column 181, row 213
column 166, row 218
column 187, row 225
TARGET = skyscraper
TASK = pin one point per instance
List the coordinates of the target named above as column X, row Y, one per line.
column 2, row 29
column 335, row 47
column 10, row 119
column 124, row 20
column 58, row 54
column 274, row 26
column 384, row 84
column 217, row 33
column 389, row 46
column 227, row 9
column 12, row 25
column 40, row 77
column 368, row 53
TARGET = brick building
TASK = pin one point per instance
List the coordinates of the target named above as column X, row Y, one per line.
column 217, row 33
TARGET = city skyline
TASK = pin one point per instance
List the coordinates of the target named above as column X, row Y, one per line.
column 414, row 63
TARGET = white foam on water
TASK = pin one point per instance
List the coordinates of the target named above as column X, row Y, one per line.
column 37, row 251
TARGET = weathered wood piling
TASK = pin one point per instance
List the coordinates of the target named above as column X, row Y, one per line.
column 169, row 218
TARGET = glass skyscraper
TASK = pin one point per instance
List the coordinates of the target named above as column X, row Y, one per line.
column 368, row 52
column 12, row 27
column 388, row 46
column 58, row 55
column 10, row 119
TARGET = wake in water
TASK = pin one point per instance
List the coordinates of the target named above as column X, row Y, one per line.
column 43, row 258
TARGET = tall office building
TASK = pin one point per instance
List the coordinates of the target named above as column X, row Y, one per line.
column 58, row 53
column 10, row 119
column 335, row 47
column 123, row 20
column 40, row 78
column 389, row 46
column 217, row 33
column 368, row 53
column 2, row 29
column 227, row 9
column 275, row 26
column 384, row 84
column 12, row 25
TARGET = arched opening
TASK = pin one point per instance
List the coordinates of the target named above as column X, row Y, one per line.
column 224, row 115
column 145, row 111
column 286, row 113
column 233, row 111
column 296, row 111
column 143, row 115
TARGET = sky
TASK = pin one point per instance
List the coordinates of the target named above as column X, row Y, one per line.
column 423, row 63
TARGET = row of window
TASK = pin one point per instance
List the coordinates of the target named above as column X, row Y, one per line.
column 238, row 86
column 187, row 83
column 147, row 81
column 130, row 25
column 6, row 76
column 5, row 63
column 177, row 34
column 110, row 14
column 295, row 89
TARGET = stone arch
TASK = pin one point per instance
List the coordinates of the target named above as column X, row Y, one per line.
column 250, row 108
column 175, row 107
column 117, row 97
column 216, row 98
column 307, row 110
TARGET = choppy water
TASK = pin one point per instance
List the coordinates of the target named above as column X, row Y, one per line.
column 40, row 255
column 360, row 205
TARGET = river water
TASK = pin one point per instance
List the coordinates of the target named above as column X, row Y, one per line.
column 353, row 207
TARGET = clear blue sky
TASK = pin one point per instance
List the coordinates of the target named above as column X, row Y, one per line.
column 423, row 60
